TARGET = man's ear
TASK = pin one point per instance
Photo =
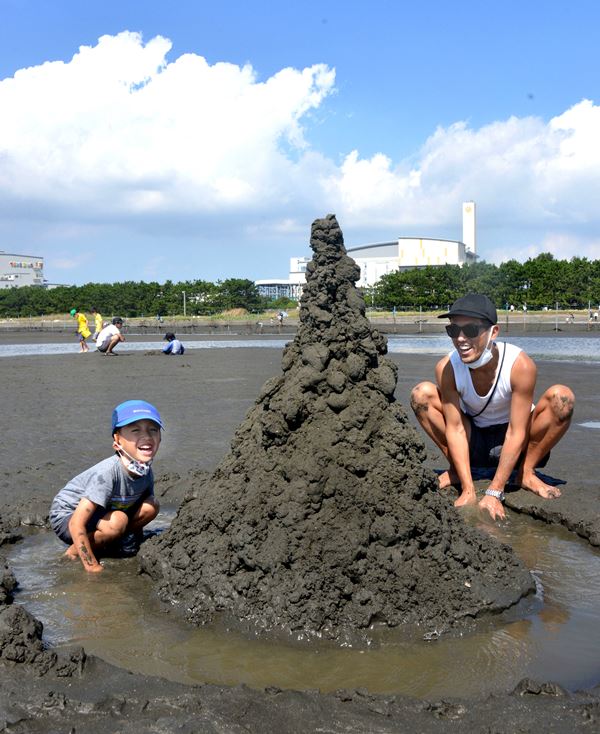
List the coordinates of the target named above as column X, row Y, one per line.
column 495, row 331
column 116, row 445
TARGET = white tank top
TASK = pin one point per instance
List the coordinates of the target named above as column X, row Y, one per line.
column 498, row 409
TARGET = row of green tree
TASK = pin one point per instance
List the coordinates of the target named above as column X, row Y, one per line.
column 539, row 282
column 130, row 299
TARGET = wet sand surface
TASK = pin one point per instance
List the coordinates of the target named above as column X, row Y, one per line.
column 56, row 416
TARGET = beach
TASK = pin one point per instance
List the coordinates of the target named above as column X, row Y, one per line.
column 57, row 413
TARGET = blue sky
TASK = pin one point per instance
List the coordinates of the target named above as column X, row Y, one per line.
column 199, row 140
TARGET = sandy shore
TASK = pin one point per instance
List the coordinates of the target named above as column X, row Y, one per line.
column 57, row 422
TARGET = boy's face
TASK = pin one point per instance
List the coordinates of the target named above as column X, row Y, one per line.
column 140, row 439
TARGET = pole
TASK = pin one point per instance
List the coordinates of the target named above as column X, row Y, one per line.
column 184, row 309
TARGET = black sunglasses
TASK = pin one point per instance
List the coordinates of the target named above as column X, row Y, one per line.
column 469, row 330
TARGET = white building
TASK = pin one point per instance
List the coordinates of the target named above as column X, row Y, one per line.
column 381, row 258
column 289, row 288
column 17, row 271
column 407, row 253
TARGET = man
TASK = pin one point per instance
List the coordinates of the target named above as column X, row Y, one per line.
column 109, row 337
column 481, row 412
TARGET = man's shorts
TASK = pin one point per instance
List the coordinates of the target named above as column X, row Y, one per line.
column 485, row 446
column 104, row 346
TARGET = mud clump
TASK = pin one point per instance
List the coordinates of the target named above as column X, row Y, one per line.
column 322, row 518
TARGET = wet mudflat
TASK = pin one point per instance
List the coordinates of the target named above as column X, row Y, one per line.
column 553, row 636
column 58, row 409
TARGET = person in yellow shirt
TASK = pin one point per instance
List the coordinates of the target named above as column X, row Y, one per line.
column 82, row 329
column 98, row 325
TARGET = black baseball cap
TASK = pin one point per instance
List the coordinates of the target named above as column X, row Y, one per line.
column 117, row 320
column 473, row 304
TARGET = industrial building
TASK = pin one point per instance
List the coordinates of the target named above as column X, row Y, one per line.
column 286, row 288
column 17, row 271
column 380, row 258
column 407, row 253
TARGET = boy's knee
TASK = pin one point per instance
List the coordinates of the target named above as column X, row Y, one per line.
column 118, row 522
column 421, row 395
column 149, row 510
column 562, row 402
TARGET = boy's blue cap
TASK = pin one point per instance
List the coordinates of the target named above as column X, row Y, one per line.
column 134, row 410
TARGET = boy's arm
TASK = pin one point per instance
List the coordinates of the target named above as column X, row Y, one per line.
column 81, row 541
column 456, row 435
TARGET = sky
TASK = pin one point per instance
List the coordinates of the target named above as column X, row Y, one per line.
column 199, row 140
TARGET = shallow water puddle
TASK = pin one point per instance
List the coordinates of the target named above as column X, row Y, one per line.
column 115, row 616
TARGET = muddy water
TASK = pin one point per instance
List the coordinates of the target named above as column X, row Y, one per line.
column 113, row 615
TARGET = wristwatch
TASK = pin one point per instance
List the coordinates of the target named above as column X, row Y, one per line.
column 497, row 493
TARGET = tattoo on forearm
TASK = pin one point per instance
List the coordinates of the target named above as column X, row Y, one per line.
column 85, row 555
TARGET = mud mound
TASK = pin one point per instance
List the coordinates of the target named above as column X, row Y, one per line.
column 322, row 518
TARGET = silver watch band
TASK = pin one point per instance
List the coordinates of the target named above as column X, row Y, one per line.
column 497, row 493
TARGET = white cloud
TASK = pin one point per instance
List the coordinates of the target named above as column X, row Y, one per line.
column 122, row 130
column 534, row 183
column 121, row 137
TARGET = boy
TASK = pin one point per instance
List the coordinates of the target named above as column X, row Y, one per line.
column 114, row 498
column 82, row 329
column 174, row 346
column 109, row 337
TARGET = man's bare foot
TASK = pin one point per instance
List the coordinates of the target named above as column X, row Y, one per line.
column 534, row 484
column 466, row 498
column 447, row 479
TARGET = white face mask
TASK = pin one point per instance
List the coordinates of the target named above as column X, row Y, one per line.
column 139, row 468
column 485, row 357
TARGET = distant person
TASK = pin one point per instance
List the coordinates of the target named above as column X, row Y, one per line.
column 98, row 325
column 109, row 337
column 281, row 315
column 112, row 501
column 83, row 330
column 174, row 346
column 481, row 411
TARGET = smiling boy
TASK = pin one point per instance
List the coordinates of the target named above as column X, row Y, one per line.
column 114, row 498
column 481, row 412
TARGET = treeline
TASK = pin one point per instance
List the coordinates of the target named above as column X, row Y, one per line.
column 132, row 299
column 537, row 283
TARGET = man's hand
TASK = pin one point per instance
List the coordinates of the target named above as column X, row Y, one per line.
column 493, row 506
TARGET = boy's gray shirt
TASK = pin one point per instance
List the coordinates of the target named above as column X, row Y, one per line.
column 106, row 484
